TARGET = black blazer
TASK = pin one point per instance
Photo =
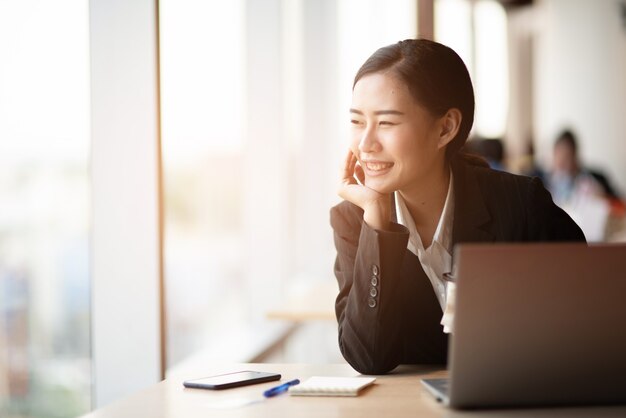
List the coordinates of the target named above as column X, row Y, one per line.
column 387, row 311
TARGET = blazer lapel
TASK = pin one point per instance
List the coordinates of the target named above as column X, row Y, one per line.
column 471, row 215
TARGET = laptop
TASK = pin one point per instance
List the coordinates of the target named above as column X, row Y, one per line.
column 537, row 325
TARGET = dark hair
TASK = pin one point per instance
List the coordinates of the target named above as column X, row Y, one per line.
column 436, row 77
column 567, row 137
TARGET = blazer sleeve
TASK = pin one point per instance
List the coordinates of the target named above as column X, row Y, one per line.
column 547, row 221
column 367, row 268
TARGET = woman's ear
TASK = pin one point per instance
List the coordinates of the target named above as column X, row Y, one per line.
column 450, row 124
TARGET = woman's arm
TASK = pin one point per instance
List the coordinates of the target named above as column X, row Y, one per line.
column 369, row 306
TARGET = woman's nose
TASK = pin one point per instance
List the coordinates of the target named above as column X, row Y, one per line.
column 369, row 141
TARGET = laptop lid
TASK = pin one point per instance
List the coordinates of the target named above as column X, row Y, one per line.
column 538, row 324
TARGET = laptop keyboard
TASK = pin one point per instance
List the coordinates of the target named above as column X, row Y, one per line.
column 439, row 387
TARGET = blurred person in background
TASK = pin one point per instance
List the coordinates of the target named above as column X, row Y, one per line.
column 569, row 181
column 585, row 194
column 491, row 149
column 527, row 165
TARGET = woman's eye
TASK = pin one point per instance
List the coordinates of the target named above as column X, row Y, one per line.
column 355, row 122
column 386, row 122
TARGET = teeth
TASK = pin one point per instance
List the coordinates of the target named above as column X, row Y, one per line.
column 378, row 166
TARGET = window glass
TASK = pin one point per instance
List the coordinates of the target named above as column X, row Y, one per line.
column 491, row 79
column 250, row 154
column 202, row 87
column 484, row 50
column 44, row 217
column 453, row 27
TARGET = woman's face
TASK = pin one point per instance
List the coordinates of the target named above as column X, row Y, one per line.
column 396, row 140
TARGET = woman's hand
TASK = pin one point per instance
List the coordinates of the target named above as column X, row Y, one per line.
column 376, row 206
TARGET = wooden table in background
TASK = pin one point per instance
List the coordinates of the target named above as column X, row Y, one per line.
column 316, row 302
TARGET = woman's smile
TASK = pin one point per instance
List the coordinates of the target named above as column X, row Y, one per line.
column 375, row 168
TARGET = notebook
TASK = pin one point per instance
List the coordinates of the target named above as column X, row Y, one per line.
column 331, row 386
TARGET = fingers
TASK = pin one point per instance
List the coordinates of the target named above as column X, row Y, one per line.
column 353, row 189
column 347, row 175
column 348, row 182
column 360, row 174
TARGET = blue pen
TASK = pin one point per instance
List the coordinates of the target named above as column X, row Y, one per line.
column 280, row 389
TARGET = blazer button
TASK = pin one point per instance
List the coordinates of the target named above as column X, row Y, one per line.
column 374, row 281
column 375, row 270
column 371, row 302
column 373, row 292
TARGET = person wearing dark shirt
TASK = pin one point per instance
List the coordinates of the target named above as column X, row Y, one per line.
column 569, row 180
column 409, row 197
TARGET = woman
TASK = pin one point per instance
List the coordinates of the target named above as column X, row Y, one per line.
column 410, row 196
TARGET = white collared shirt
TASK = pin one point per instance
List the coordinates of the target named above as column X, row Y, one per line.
column 436, row 259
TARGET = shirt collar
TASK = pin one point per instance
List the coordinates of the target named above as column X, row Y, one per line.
column 443, row 233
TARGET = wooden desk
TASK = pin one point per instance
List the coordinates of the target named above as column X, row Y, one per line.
column 396, row 395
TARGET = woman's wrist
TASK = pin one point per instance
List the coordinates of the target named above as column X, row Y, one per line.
column 378, row 214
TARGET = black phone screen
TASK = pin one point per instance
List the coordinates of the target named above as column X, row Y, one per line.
column 231, row 380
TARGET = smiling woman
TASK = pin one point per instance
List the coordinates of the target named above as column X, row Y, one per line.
column 410, row 196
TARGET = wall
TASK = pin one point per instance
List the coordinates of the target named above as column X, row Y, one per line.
column 580, row 80
column 125, row 244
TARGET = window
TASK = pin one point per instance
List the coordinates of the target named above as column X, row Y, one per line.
column 255, row 101
column 44, row 219
column 477, row 31
column 203, row 124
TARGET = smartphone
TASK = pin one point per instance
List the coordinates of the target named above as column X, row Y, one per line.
column 231, row 380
